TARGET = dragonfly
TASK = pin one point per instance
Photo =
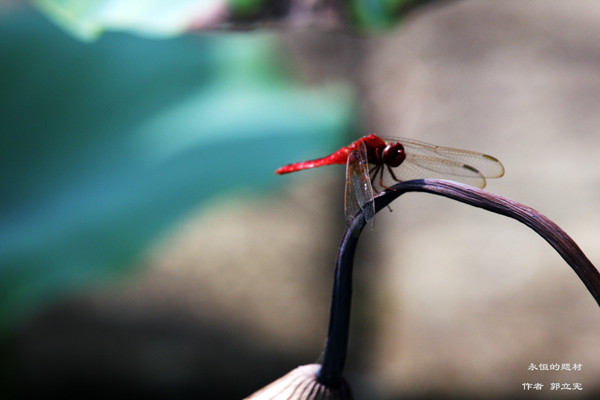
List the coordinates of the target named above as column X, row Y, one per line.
column 374, row 164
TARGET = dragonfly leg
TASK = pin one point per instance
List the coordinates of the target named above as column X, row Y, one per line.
column 381, row 178
column 391, row 171
column 393, row 175
column 388, row 188
column 374, row 171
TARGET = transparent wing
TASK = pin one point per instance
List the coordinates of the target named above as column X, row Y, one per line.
column 488, row 166
column 422, row 168
column 424, row 160
column 359, row 193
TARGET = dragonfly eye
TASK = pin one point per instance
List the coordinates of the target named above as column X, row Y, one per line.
column 393, row 154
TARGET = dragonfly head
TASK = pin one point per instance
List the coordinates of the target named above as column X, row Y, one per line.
column 393, row 154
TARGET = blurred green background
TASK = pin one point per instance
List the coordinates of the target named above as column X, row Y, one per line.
column 106, row 145
column 148, row 250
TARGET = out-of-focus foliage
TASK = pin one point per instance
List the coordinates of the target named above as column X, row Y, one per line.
column 104, row 146
column 379, row 14
column 160, row 18
column 156, row 18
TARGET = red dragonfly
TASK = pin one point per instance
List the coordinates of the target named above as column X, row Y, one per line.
column 374, row 164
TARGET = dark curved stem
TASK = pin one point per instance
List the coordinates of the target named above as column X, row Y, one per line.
column 336, row 344
column 548, row 230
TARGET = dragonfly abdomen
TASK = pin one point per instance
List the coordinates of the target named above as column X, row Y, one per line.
column 339, row 157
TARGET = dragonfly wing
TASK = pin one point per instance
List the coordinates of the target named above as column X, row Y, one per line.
column 359, row 193
column 489, row 166
column 424, row 160
column 419, row 167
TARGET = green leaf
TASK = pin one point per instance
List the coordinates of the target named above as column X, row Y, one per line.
column 380, row 15
column 105, row 146
column 88, row 19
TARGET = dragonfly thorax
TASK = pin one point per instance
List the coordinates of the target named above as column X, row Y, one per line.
column 393, row 154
